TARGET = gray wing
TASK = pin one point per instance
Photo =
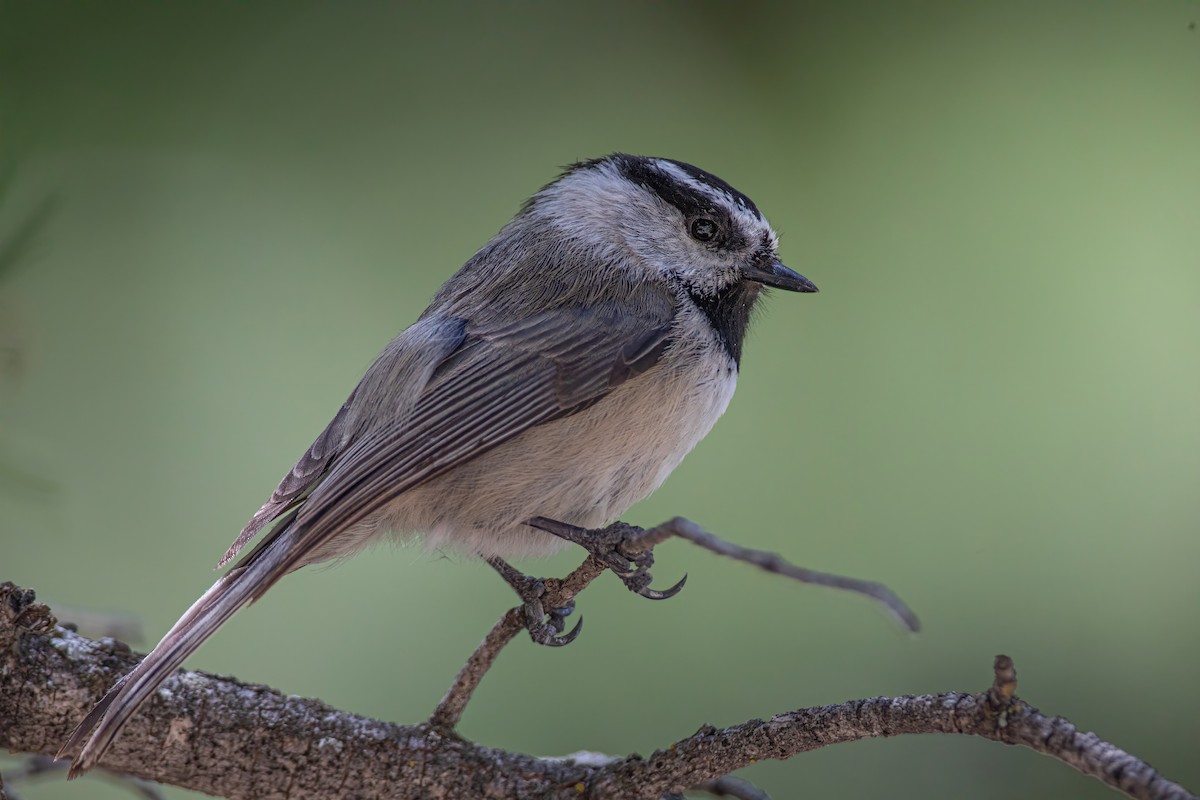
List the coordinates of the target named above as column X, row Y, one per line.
column 398, row 375
column 501, row 379
column 296, row 485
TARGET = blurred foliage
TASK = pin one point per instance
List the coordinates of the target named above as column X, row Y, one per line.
column 16, row 246
column 991, row 406
column 14, row 251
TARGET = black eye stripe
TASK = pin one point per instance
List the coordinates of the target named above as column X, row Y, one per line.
column 709, row 179
column 642, row 169
column 690, row 202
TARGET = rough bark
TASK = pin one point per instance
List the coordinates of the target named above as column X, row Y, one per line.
column 229, row 738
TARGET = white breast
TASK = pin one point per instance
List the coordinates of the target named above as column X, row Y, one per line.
column 585, row 469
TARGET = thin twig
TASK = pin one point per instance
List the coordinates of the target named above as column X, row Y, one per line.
column 450, row 709
column 772, row 562
column 558, row 593
column 996, row 714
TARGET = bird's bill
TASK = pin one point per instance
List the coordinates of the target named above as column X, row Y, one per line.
column 780, row 277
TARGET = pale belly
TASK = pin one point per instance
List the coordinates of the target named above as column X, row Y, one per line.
column 585, row 469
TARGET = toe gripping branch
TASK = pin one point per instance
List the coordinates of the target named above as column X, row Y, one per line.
column 545, row 626
column 625, row 549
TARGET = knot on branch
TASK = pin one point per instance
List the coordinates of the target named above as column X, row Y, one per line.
column 1004, row 685
column 1002, row 696
column 20, row 612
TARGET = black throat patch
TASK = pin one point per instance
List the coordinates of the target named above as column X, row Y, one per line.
column 728, row 312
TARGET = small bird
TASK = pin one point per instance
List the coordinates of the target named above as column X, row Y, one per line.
column 557, row 378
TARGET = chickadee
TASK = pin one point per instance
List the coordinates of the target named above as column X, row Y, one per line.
column 562, row 373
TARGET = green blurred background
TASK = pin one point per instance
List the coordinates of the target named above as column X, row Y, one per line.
column 992, row 405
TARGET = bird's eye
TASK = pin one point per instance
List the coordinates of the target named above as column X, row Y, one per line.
column 703, row 229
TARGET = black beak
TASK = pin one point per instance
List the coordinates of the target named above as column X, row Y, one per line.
column 777, row 275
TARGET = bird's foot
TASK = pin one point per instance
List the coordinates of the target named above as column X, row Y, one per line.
column 545, row 625
column 616, row 547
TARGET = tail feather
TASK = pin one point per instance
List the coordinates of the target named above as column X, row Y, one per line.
column 243, row 584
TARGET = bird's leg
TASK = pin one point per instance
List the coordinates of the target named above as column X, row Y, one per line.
column 615, row 547
column 544, row 626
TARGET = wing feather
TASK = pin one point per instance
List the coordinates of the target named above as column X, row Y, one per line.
column 503, row 379
column 412, row 355
column 296, row 485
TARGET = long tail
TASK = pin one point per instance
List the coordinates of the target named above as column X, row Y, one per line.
column 241, row 585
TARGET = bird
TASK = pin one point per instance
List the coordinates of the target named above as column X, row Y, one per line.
column 556, row 379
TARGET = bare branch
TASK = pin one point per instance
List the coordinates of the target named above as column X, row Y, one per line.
column 558, row 594
column 630, row 542
column 239, row 740
column 449, row 712
column 772, row 562
column 233, row 739
column 996, row 714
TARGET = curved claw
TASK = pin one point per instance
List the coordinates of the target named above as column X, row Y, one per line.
column 563, row 611
column 663, row 594
column 572, row 533
column 557, row 617
column 565, row 639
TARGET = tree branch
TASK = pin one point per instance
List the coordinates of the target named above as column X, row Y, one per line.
column 632, row 541
column 558, row 594
column 996, row 714
column 225, row 737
